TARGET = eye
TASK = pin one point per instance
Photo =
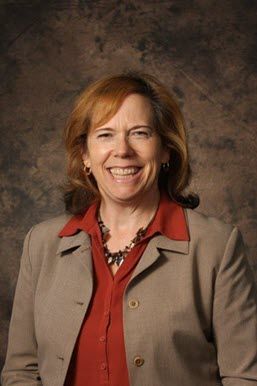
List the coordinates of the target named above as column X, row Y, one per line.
column 104, row 135
column 141, row 133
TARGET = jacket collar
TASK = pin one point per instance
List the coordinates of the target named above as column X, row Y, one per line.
column 154, row 249
column 164, row 243
column 159, row 241
column 79, row 245
column 80, row 239
column 170, row 223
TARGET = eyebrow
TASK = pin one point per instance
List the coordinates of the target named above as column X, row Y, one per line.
column 131, row 128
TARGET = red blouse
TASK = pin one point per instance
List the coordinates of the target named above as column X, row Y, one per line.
column 99, row 356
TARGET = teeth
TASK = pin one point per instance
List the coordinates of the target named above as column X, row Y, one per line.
column 124, row 171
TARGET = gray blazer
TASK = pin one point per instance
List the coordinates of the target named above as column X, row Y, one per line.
column 195, row 323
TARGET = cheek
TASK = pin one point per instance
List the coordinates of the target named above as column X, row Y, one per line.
column 153, row 152
column 154, row 163
column 154, row 157
column 98, row 155
column 152, row 169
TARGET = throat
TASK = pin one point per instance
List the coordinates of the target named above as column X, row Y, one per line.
column 125, row 218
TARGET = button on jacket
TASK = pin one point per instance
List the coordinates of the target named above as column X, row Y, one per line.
column 196, row 320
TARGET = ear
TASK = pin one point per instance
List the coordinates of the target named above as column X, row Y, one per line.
column 85, row 158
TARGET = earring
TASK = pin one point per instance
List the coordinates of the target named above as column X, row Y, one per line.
column 165, row 166
column 87, row 170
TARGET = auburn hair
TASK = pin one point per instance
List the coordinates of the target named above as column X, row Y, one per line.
column 97, row 104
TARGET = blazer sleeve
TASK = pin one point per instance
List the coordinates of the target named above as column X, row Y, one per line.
column 21, row 365
column 235, row 316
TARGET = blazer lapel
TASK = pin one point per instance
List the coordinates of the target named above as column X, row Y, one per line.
column 77, row 245
column 152, row 251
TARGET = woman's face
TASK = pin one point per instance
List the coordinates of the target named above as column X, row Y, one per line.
column 125, row 154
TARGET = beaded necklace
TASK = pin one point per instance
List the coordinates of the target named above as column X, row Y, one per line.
column 118, row 257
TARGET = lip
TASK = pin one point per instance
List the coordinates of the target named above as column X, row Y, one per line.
column 129, row 180
column 124, row 167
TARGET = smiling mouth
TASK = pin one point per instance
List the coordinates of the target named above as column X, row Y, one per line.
column 124, row 173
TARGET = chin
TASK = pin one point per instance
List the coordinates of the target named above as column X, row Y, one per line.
column 127, row 196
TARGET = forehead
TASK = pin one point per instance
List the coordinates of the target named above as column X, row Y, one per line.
column 135, row 109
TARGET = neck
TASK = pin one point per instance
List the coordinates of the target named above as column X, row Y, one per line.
column 129, row 216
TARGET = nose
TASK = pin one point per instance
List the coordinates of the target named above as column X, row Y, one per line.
column 123, row 148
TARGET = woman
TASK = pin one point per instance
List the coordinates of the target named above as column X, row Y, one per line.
column 131, row 286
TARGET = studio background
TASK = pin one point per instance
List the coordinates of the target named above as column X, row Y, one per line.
column 203, row 50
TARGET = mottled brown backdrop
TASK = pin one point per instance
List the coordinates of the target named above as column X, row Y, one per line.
column 203, row 50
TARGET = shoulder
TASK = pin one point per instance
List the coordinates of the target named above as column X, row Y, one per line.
column 208, row 231
column 44, row 235
column 51, row 226
column 40, row 247
column 201, row 222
